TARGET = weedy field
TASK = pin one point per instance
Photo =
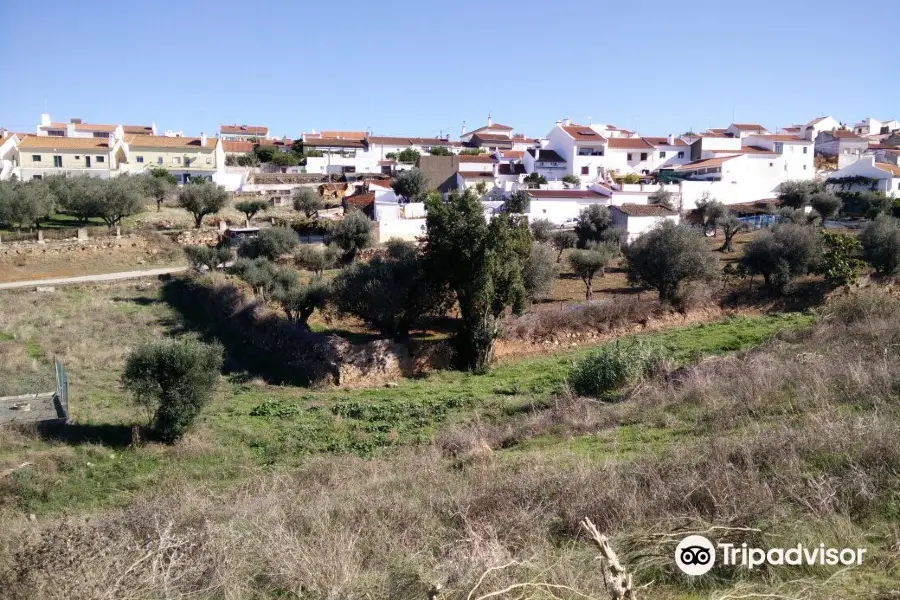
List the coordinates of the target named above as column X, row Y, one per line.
column 772, row 429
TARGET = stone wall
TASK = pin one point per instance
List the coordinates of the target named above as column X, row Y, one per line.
column 70, row 245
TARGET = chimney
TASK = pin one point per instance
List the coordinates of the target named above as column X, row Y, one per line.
column 202, row 140
column 670, row 140
column 45, row 120
column 75, row 120
column 537, row 154
column 112, row 139
column 462, row 129
column 558, row 123
column 490, row 121
column 567, row 121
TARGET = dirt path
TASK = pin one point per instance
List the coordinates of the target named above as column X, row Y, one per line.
column 91, row 278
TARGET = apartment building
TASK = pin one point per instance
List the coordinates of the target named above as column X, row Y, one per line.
column 78, row 128
column 42, row 155
column 185, row 157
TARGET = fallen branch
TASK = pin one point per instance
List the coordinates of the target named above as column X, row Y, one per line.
column 617, row 580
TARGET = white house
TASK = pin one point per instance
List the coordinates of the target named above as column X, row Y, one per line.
column 741, row 130
column 339, row 155
column 637, row 219
column 794, row 155
column 582, row 147
column 78, row 128
column 562, row 206
column 546, row 162
column 812, row 129
column 886, row 176
column 669, row 151
column 9, row 144
column 870, row 126
column 630, row 155
column 843, row 144
column 243, row 133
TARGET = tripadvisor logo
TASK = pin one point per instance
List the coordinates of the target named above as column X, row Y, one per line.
column 696, row 555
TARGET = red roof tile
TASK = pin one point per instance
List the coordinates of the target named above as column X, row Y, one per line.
column 583, row 133
column 565, row 194
column 476, row 158
column 256, row 130
column 629, row 144
column 644, row 210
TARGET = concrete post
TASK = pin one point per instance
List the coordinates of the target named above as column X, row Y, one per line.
column 40, row 239
column 82, row 234
column 222, row 226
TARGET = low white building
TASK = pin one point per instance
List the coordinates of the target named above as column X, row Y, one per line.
column 562, row 206
column 812, row 129
column 546, row 162
column 637, row 219
column 870, row 126
column 9, row 144
column 842, row 144
column 885, row 175
column 742, row 130
column 79, row 129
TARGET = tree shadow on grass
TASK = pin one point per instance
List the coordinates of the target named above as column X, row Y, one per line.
column 76, row 434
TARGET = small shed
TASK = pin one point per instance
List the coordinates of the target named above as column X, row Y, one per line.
column 637, row 219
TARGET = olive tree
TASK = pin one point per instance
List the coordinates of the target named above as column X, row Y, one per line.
column 668, row 255
column 730, row 226
column 118, row 198
column 787, row 251
column 308, row 201
column 271, row 243
column 172, row 381
column 353, row 233
column 410, row 185
column 881, row 245
column 592, row 221
column 661, row 197
column 586, row 263
column 206, row 256
column 540, row 270
column 300, row 300
column 200, row 198
column 251, row 207
column 541, row 230
column 563, row 240
column 826, row 204
column 517, row 202
column 316, row 259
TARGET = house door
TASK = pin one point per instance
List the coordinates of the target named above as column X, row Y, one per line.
column 87, row 162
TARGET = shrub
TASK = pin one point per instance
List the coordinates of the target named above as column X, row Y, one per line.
column 270, row 243
column 667, row 255
column 562, row 240
column 409, row 156
column 839, row 263
column 265, row 277
column 797, row 194
column 300, row 300
column 541, row 229
column 316, row 259
column 592, row 221
column 586, row 263
column 881, row 245
column 863, row 305
column 571, row 179
column 614, row 366
column 661, row 197
column 826, row 204
column 540, row 271
column 410, row 184
column 308, row 201
column 439, row 151
column 535, row 179
column 389, row 293
column 517, row 202
column 787, row 251
column 353, row 233
column 172, row 380
column 205, row 256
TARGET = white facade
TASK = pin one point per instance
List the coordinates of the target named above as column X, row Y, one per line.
column 636, row 225
column 9, row 157
column 887, row 175
column 870, row 126
column 812, row 129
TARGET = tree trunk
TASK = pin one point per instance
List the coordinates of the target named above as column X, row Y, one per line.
column 589, row 288
column 198, row 220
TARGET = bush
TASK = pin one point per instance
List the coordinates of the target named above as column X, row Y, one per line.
column 839, row 263
column 316, row 259
column 353, row 233
column 205, row 256
column 661, row 197
column 592, row 221
column 668, row 255
column 389, row 293
column 540, row 271
column 881, row 245
column 270, row 243
column 541, row 230
column 409, row 156
column 864, row 305
column 535, row 179
column 614, row 366
column 517, row 202
column 172, row 381
column 265, row 277
column 787, row 251
column 826, row 204
column 571, row 179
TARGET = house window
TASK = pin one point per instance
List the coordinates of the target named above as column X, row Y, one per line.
column 785, row 166
column 629, row 156
column 643, row 156
column 804, row 167
column 140, row 159
column 56, row 133
column 662, row 154
column 209, row 161
column 805, row 149
column 681, row 155
column 35, row 158
column 57, row 162
column 771, row 164
column 159, row 160
column 38, row 177
column 100, row 134
column 176, row 160
column 585, row 170
column 100, row 159
column 77, row 157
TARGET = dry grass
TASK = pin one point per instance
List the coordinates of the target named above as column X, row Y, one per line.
column 793, row 442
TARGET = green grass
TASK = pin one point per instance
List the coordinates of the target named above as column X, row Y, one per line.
column 253, row 425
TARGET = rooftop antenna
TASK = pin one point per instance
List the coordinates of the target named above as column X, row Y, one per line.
column 590, row 120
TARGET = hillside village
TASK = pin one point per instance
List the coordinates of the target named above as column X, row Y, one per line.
column 570, row 167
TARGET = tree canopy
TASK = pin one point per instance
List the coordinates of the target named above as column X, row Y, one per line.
column 668, row 255
column 411, row 185
column 201, row 198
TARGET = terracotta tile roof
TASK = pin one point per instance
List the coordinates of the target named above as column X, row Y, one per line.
column 705, row 163
column 475, row 174
column 237, row 147
column 340, row 135
column 385, row 163
column 894, row 170
column 754, row 150
column 793, row 129
column 94, row 127
column 582, row 133
column 406, row 141
column 644, row 210
column 494, row 126
column 333, row 143
column 476, row 158
column 817, row 120
column 360, row 201
column 749, row 127
column 565, row 194
column 494, row 137
column 55, row 126
column 514, row 154
column 757, row 207
column 629, row 144
column 664, row 141
column 784, row 137
column 257, row 130
column 716, row 129
column 381, row 183
column 511, row 169
column 163, row 141
column 845, row 134
column 52, row 142
column 144, row 129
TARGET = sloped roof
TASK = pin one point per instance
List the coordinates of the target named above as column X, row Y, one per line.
column 514, row 154
column 407, row 141
column 333, row 143
column 511, row 169
column 476, row 158
column 164, row 141
column 664, row 141
column 629, row 144
column 894, row 170
column 237, row 147
column 476, row 174
column 705, row 163
column 582, row 133
column 47, row 142
column 644, row 210
column 546, row 155
column 142, row 129
column 492, row 126
column 784, row 137
column 749, row 126
column 845, row 134
column 258, row 130
column 495, row 137
column 565, row 194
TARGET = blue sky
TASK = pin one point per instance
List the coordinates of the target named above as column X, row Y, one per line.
column 422, row 68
